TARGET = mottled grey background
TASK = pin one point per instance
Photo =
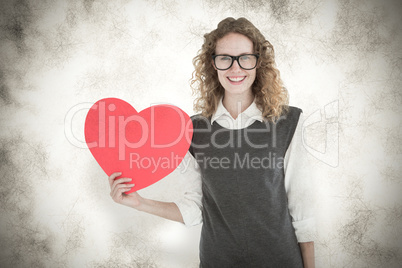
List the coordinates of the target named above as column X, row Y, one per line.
column 341, row 61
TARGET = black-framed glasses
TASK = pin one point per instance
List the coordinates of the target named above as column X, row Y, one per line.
column 245, row 61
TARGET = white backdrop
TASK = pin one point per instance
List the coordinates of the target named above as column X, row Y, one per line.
column 340, row 60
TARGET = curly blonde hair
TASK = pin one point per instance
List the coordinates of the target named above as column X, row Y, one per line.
column 271, row 96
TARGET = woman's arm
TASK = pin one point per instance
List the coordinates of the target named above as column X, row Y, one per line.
column 307, row 251
column 300, row 190
column 167, row 210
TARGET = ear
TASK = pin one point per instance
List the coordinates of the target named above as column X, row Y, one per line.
column 258, row 62
column 212, row 62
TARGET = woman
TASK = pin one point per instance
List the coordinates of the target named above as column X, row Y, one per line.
column 247, row 182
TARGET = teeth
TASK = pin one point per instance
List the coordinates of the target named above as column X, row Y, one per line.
column 236, row 79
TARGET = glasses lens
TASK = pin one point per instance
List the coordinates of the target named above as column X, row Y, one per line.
column 248, row 61
column 223, row 62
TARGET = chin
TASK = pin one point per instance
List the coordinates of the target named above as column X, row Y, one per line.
column 236, row 91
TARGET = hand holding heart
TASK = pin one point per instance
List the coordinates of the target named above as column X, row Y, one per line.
column 118, row 187
column 145, row 146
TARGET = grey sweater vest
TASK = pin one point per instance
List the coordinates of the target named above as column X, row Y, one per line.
column 246, row 222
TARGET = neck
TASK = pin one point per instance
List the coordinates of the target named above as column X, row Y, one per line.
column 236, row 104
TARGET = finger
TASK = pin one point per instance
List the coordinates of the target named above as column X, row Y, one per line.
column 120, row 181
column 119, row 190
column 117, row 187
column 130, row 186
column 113, row 176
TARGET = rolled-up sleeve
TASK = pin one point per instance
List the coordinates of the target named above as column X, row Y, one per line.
column 299, row 185
column 190, row 204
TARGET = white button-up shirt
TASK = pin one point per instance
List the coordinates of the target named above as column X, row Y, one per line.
column 298, row 181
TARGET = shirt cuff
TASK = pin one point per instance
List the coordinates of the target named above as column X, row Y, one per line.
column 305, row 230
column 190, row 212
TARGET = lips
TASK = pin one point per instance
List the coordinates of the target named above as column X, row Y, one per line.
column 236, row 79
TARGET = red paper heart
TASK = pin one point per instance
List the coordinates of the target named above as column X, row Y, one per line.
column 144, row 146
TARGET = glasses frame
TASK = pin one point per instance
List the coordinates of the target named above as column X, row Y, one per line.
column 235, row 58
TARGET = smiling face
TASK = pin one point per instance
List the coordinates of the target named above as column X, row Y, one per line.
column 235, row 80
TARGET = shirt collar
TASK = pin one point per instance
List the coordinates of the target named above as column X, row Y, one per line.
column 251, row 112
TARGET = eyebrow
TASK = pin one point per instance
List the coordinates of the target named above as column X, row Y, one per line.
column 227, row 54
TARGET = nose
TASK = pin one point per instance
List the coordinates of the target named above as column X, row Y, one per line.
column 235, row 66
